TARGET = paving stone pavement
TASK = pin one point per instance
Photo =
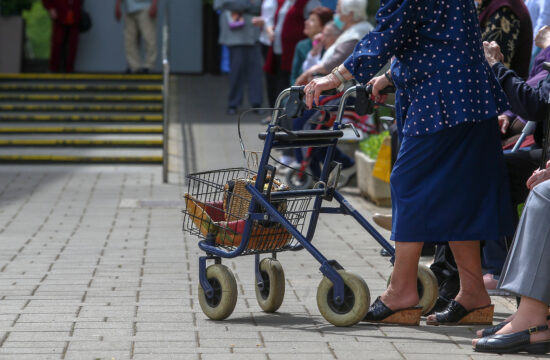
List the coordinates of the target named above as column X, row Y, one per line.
column 93, row 264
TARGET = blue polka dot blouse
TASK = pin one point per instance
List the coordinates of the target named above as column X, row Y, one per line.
column 440, row 72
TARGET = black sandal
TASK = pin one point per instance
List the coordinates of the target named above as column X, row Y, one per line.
column 456, row 314
column 494, row 329
column 380, row 313
column 513, row 343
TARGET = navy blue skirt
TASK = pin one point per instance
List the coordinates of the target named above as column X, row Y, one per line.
column 451, row 186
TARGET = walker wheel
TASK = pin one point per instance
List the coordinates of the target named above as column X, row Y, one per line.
column 356, row 300
column 294, row 180
column 427, row 288
column 223, row 302
column 271, row 296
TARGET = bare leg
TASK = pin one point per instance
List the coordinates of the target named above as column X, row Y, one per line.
column 402, row 292
column 472, row 292
column 531, row 312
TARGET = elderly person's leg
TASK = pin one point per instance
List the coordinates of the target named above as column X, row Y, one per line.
column 402, row 291
column 527, row 269
column 472, row 305
column 399, row 303
column 472, row 292
column 526, row 273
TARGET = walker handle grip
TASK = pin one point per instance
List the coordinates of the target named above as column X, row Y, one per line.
column 363, row 103
column 295, row 105
column 387, row 90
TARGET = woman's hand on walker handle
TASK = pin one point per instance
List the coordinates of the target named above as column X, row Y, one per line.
column 316, row 86
column 378, row 84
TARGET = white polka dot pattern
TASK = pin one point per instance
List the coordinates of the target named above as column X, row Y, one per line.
column 439, row 70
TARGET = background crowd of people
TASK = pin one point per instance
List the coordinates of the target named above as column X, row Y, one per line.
column 69, row 19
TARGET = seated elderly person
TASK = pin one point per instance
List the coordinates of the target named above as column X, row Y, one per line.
column 352, row 16
column 526, row 273
column 526, row 101
column 527, row 267
column 511, row 124
column 321, row 42
column 313, row 26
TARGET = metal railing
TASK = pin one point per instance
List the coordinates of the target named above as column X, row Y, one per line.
column 165, row 91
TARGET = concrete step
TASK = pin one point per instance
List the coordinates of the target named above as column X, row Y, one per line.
column 42, row 97
column 80, row 108
column 10, row 128
column 74, row 117
column 80, row 77
column 80, row 140
column 82, row 130
column 80, row 87
column 80, row 155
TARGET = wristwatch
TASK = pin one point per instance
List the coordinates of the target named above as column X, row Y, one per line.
column 340, row 77
column 387, row 75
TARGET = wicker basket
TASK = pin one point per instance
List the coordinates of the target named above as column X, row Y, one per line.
column 236, row 199
column 217, row 204
column 208, row 218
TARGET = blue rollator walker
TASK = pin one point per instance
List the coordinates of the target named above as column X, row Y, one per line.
column 239, row 212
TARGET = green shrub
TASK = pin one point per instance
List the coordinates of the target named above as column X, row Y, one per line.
column 371, row 145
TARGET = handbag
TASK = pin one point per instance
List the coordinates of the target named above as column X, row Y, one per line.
column 85, row 22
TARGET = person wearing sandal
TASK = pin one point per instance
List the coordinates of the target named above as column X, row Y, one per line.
column 448, row 182
column 526, row 268
column 526, row 274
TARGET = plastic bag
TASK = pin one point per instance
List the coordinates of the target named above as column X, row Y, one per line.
column 382, row 166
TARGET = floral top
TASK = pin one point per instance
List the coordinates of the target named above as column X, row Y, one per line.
column 440, row 72
column 503, row 27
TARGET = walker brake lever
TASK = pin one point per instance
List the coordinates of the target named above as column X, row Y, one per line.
column 289, row 132
column 350, row 125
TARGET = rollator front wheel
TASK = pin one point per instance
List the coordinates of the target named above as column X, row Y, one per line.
column 271, row 296
column 356, row 300
column 223, row 302
column 299, row 181
column 427, row 288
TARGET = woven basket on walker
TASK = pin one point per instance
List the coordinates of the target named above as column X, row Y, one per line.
column 236, row 199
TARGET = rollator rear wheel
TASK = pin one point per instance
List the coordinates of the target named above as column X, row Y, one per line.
column 427, row 288
column 294, row 180
column 356, row 300
column 271, row 296
column 222, row 304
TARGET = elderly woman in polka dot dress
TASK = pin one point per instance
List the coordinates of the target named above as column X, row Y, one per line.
column 449, row 182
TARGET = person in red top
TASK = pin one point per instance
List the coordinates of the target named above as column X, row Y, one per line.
column 65, row 16
column 288, row 31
